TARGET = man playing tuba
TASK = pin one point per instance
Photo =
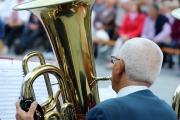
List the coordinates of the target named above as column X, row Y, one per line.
column 134, row 71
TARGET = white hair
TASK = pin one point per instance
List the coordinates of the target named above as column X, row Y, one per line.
column 142, row 58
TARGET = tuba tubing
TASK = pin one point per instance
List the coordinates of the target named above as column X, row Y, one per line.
column 44, row 69
column 40, row 70
column 176, row 102
column 46, row 76
column 67, row 24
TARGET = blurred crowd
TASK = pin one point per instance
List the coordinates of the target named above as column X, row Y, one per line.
column 118, row 20
column 20, row 29
column 121, row 20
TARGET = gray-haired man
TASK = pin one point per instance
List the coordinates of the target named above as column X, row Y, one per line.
column 136, row 67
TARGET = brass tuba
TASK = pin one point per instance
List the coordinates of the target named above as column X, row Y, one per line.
column 67, row 23
column 176, row 97
column 176, row 102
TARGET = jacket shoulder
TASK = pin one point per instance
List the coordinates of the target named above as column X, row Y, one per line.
column 97, row 113
column 106, row 110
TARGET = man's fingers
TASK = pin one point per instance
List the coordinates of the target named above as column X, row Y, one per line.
column 33, row 107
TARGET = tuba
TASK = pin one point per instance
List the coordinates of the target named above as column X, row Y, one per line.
column 176, row 97
column 67, row 23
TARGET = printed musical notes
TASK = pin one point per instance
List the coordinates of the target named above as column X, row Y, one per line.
column 11, row 78
column 10, row 83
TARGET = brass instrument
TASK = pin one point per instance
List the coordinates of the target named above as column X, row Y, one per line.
column 176, row 102
column 67, row 23
column 176, row 97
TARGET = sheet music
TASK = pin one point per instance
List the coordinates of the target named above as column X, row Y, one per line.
column 11, row 78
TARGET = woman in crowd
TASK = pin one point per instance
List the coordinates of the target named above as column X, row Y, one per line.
column 131, row 26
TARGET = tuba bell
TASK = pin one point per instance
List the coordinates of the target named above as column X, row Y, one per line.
column 67, row 23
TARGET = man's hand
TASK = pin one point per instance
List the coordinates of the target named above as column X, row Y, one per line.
column 22, row 115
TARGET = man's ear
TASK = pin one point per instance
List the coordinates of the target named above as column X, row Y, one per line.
column 120, row 68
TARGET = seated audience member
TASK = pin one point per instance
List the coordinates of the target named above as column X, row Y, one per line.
column 120, row 14
column 156, row 27
column 175, row 40
column 131, row 26
column 33, row 30
column 1, row 35
column 15, row 24
column 134, row 71
column 104, row 24
column 133, row 22
column 104, row 19
column 4, row 13
column 175, row 28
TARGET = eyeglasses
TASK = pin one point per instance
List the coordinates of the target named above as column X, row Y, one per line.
column 114, row 59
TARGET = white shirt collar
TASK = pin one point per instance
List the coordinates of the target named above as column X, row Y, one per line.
column 130, row 89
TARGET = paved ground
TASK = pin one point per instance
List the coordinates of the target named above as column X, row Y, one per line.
column 164, row 87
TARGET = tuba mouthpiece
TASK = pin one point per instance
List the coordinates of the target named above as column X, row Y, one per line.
column 95, row 79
